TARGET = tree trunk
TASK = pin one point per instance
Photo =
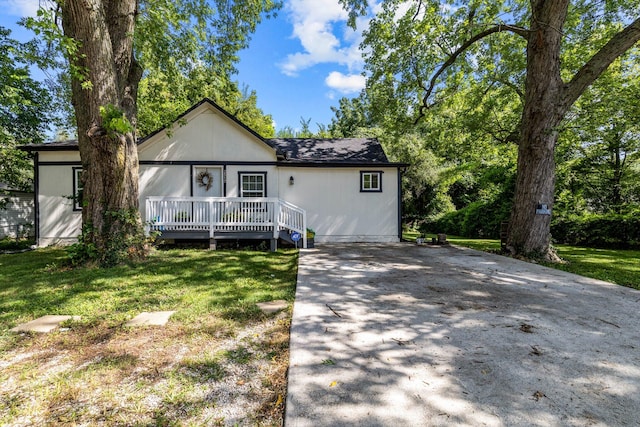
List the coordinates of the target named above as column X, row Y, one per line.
column 106, row 74
column 615, row 148
column 547, row 100
column 529, row 232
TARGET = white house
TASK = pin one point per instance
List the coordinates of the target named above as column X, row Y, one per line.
column 212, row 177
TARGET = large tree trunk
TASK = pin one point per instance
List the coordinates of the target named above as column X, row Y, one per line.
column 529, row 229
column 547, row 101
column 106, row 74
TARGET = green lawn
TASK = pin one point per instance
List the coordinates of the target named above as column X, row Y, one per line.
column 193, row 282
column 99, row 371
column 616, row 266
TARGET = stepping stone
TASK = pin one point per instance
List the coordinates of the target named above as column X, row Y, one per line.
column 43, row 324
column 153, row 318
column 272, row 306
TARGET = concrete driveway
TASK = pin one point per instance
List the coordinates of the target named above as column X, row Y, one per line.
column 404, row 335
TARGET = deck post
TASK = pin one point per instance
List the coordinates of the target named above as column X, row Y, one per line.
column 276, row 219
column 211, row 219
column 304, row 229
column 147, row 224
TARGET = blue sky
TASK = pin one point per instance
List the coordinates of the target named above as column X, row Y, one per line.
column 300, row 63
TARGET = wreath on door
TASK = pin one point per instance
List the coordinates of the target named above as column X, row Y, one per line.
column 205, row 179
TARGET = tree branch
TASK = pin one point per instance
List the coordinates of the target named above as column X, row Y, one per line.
column 599, row 62
column 452, row 58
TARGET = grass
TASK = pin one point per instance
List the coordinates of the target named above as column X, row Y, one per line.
column 9, row 244
column 612, row 265
column 217, row 344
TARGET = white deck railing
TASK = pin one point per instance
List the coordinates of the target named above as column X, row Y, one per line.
column 224, row 214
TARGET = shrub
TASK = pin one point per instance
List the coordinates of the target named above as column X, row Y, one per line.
column 478, row 219
column 598, row 230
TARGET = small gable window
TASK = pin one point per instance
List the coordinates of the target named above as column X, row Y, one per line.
column 370, row 181
column 77, row 189
column 253, row 184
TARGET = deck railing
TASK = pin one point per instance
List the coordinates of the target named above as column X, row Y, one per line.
column 225, row 214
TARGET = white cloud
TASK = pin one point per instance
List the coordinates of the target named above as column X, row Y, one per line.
column 345, row 83
column 321, row 27
column 21, row 8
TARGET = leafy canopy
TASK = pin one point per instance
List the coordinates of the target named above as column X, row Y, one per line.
column 24, row 107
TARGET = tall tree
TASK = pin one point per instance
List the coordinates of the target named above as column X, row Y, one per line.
column 99, row 36
column 607, row 126
column 161, row 100
column 422, row 46
column 104, row 91
column 24, row 108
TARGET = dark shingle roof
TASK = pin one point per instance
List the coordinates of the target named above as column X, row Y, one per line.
column 330, row 150
column 69, row 145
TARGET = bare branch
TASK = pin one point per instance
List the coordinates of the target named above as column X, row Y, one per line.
column 599, row 62
column 452, row 58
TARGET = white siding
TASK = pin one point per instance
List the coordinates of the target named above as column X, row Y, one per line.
column 208, row 135
column 18, row 215
column 59, row 223
column 336, row 209
column 163, row 180
column 233, row 182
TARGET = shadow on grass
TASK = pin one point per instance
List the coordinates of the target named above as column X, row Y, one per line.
column 192, row 282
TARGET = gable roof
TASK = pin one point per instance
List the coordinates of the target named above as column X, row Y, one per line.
column 298, row 151
column 330, row 150
column 217, row 107
column 68, row 145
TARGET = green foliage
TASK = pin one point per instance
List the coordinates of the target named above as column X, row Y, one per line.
column 82, row 252
column 24, row 108
column 161, row 100
column 477, row 219
column 599, row 152
column 350, row 117
column 599, row 230
column 455, row 74
column 126, row 241
column 49, row 32
column 189, row 50
column 114, row 120
column 11, row 244
column 194, row 282
column 461, row 144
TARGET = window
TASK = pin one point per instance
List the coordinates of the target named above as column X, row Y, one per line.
column 370, row 181
column 77, row 189
column 253, row 184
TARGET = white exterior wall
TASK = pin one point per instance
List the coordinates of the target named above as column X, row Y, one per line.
column 18, row 215
column 233, row 180
column 208, row 135
column 163, row 180
column 336, row 209
column 59, row 223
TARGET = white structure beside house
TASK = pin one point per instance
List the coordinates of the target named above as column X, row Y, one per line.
column 213, row 175
column 16, row 219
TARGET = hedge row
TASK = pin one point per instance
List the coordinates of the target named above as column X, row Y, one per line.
column 605, row 231
column 482, row 220
column 478, row 219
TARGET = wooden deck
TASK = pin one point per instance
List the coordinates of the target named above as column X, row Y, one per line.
column 218, row 218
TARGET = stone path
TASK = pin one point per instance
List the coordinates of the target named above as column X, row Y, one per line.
column 152, row 318
column 50, row 322
column 43, row 324
column 272, row 306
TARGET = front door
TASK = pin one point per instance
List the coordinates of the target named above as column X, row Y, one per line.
column 207, row 181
